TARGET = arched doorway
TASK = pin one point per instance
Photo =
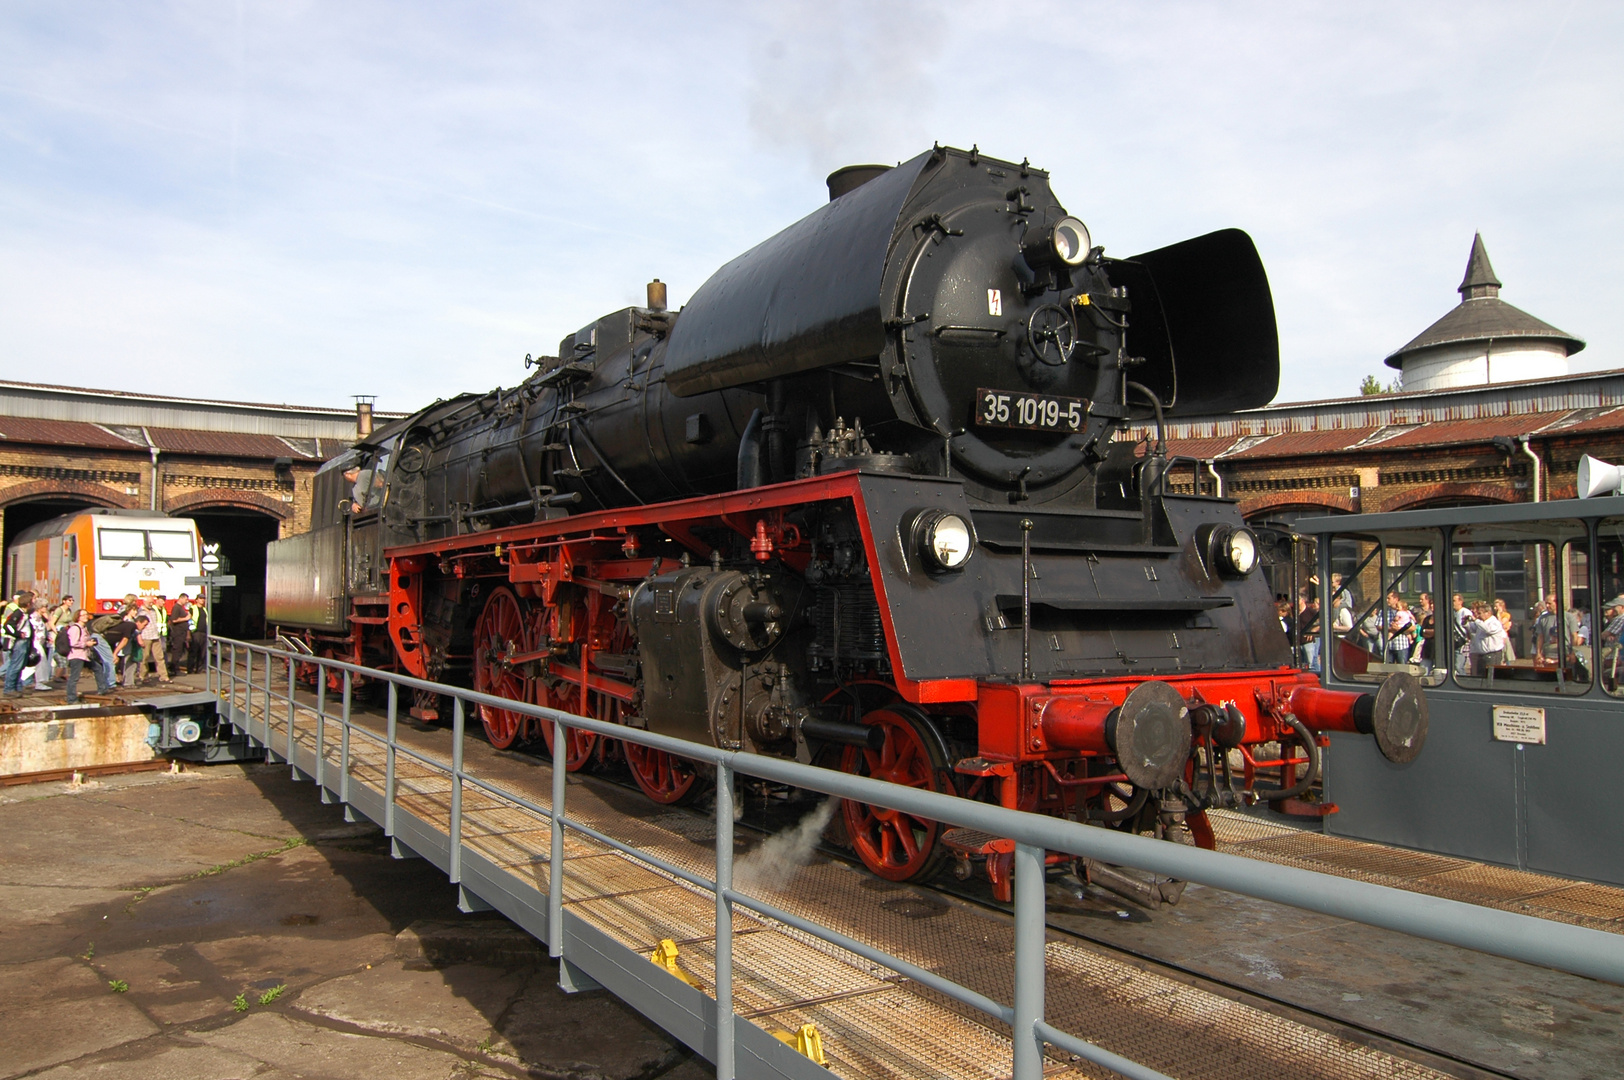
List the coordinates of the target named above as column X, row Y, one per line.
column 34, row 506
column 238, row 535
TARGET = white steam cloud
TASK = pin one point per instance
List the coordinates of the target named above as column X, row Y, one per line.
column 774, row 864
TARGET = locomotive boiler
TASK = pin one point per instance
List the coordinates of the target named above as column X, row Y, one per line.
column 863, row 501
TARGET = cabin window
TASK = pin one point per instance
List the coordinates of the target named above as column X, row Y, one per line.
column 1518, row 594
column 171, row 546
column 122, row 543
column 1379, row 609
column 1605, row 624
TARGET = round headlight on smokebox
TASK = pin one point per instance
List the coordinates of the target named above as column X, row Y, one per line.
column 1234, row 550
column 1071, row 241
column 943, row 540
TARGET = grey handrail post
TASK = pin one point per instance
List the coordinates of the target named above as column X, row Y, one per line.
column 389, row 764
column 291, row 759
column 344, row 744
column 248, row 691
column 555, row 859
column 456, row 790
column 321, row 725
column 1029, row 961
column 724, row 923
column 291, row 699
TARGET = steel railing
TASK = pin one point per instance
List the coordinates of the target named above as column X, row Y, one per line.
column 232, row 669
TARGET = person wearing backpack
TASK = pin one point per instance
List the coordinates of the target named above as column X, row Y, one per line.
column 16, row 638
column 81, row 646
column 103, row 651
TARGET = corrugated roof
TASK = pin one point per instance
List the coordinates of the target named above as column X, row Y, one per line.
column 230, row 444
column 134, row 396
column 23, row 429
column 1292, row 444
column 1298, row 443
column 1200, row 448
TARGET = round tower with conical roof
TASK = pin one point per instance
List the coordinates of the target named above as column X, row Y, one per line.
column 1484, row 339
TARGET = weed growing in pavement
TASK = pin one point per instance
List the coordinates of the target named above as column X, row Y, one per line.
column 119, row 985
column 484, row 1045
column 272, row 994
column 239, row 1003
column 287, row 845
column 90, row 951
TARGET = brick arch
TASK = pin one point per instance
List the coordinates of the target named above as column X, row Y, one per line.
column 95, row 494
column 1306, row 500
column 1427, row 494
column 226, row 497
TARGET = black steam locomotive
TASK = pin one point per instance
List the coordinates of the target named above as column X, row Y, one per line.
column 862, row 502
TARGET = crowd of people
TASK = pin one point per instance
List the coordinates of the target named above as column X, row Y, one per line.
column 1486, row 634
column 149, row 637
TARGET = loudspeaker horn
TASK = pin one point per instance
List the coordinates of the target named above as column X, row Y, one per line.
column 1596, row 477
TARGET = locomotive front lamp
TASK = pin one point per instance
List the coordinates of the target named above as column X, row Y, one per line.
column 1071, row 241
column 1066, row 242
column 1237, row 551
column 943, row 539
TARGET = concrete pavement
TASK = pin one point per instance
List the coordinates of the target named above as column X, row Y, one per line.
column 147, row 923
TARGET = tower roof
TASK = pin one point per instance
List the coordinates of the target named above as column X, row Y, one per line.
column 1482, row 315
column 1479, row 281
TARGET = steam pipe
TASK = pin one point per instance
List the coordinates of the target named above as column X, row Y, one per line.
column 868, row 736
column 1297, row 790
column 1217, row 481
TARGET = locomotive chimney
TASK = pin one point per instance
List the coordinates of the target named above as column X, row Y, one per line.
column 363, row 414
column 851, row 178
column 656, row 295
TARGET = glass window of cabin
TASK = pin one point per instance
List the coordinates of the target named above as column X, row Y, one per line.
column 1381, row 606
column 1606, row 623
column 122, row 543
column 171, row 546
column 1512, row 607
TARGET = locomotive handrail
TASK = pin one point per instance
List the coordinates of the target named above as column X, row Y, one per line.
column 1578, row 950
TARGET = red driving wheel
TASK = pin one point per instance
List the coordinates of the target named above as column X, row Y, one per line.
column 498, row 636
column 895, row 845
column 663, row 777
column 578, row 744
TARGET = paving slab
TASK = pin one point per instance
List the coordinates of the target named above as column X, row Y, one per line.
column 461, row 1005
column 196, row 888
column 163, row 1059
column 59, row 1009
column 305, row 1049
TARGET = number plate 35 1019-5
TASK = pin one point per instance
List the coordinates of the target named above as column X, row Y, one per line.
column 1032, row 412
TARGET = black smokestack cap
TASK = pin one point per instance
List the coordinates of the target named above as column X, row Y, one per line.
column 851, row 178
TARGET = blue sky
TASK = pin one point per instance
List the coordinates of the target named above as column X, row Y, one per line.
column 301, row 201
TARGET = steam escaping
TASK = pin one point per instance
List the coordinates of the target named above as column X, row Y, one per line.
column 773, row 865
